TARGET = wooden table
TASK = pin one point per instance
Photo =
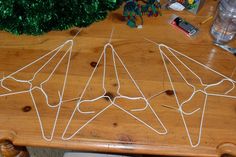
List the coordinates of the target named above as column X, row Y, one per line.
column 115, row 130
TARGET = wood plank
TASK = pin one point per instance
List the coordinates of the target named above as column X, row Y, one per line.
column 114, row 130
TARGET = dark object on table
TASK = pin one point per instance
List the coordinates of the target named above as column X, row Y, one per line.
column 183, row 25
column 151, row 8
column 131, row 12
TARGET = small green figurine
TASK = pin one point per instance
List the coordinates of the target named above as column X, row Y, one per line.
column 131, row 12
column 152, row 8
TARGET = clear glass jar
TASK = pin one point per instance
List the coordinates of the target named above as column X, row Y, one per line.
column 224, row 26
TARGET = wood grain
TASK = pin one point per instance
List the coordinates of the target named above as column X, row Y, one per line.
column 114, row 130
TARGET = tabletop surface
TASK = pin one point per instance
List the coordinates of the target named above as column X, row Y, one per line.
column 137, row 100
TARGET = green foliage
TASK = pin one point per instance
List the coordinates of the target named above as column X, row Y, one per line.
column 35, row 17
